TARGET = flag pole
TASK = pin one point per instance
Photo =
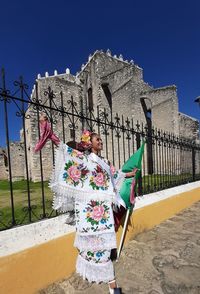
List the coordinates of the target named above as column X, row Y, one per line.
column 123, row 233
column 136, row 161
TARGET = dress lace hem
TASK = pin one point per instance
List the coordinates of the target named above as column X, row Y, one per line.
column 95, row 272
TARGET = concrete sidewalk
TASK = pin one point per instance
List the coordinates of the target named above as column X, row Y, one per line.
column 165, row 260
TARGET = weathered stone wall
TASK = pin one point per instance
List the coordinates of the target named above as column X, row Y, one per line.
column 197, row 162
column 126, row 85
column 125, row 82
column 61, row 124
column 164, row 108
column 188, row 127
column 3, row 164
column 16, row 161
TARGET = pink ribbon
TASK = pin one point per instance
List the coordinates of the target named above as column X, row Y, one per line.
column 45, row 134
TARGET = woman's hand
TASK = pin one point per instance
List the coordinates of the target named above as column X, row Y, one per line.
column 132, row 173
column 43, row 117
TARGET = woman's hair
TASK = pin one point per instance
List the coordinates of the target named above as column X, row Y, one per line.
column 81, row 146
column 72, row 144
column 93, row 135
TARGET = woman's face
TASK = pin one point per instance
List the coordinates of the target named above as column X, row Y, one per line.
column 97, row 143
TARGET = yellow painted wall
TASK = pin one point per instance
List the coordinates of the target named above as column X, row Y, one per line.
column 37, row 267
column 145, row 218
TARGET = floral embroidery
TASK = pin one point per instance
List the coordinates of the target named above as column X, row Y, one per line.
column 75, row 153
column 75, row 173
column 99, row 179
column 94, row 217
column 100, row 256
column 114, row 172
column 97, row 213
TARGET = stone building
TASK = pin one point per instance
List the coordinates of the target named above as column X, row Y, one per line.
column 3, row 164
column 111, row 83
column 17, row 161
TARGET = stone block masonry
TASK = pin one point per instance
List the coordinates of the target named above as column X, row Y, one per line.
column 106, row 81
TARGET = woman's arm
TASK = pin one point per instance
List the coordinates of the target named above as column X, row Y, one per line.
column 132, row 173
column 45, row 133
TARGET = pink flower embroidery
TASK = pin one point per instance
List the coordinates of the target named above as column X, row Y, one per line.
column 99, row 180
column 97, row 213
column 112, row 169
column 74, row 173
column 78, row 153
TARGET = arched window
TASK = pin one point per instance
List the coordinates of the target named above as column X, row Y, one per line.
column 107, row 93
column 5, row 159
column 90, row 99
column 72, row 134
column 148, row 116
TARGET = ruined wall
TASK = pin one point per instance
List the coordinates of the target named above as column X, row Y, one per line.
column 16, row 161
column 126, row 85
column 188, row 127
column 3, row 164
column 164, row 108
column 125, row 82
column 61, row 124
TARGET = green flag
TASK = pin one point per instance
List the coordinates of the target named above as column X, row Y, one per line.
column 135, row 160
column 127, row 190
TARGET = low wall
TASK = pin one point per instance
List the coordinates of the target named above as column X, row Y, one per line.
column 36, row 255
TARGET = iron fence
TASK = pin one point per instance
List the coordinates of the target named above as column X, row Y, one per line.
column 24, row 194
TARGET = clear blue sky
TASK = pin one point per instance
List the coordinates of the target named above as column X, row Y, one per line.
column 162, row 37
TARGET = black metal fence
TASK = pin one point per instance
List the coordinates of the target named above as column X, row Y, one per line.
column 24, row 194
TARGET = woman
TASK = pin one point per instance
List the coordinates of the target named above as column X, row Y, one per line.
column 84, row 181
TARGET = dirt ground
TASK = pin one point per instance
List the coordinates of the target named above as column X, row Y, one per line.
column 165, row 260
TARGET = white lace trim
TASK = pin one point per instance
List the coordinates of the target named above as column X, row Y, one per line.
column 103, row 241
column 117, row 185
column 70, row 218
column 63, row 205
column 64, row 196
column 118, row 182
column 95, row 272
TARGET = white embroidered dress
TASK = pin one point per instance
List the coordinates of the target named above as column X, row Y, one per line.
column 88, row 185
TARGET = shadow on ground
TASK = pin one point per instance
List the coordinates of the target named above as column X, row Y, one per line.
column 163, row 260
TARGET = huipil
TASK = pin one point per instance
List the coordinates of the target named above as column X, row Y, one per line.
column 89, row 185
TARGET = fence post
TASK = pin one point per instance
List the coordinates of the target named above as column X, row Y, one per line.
column 6, row 100
column 193, row 163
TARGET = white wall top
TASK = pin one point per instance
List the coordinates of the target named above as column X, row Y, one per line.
column 23, row 237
